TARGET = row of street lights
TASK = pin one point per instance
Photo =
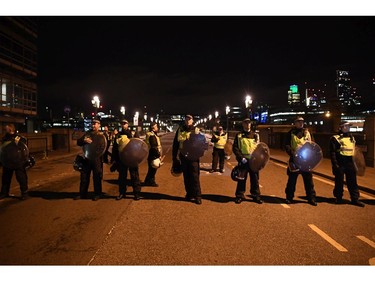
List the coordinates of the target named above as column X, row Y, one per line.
column 248, row 102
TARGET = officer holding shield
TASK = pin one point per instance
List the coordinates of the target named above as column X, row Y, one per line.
column 154, row 145
column 122, row 168
column 342, row 148
column 190, row 168
column 219, row 139
column 93, row 161
column 296, row 137
column 244, row 144
column 19, row 168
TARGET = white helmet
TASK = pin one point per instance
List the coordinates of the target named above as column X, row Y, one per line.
column 156, row 163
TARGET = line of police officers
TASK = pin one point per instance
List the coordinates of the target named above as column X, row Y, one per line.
column 342, row 147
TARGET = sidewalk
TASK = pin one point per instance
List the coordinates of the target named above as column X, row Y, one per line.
column 324, row 169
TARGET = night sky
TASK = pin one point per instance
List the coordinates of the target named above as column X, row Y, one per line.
column 182, row 64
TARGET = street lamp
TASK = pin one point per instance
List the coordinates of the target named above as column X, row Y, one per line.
column 216, row 114
column 96, row 103
column 122, row 110
column 248, row 103
column 227, row 110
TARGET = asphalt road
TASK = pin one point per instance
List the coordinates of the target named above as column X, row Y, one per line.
column 162, row 228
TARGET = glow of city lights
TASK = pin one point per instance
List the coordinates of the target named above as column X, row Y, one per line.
column 216, row 114
column 122, row 110
column 96, row 102
column 248, row 101
column 328, row 114
column 210, row 117
column 227, row 110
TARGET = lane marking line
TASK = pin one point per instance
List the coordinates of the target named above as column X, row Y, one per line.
column 327, row 238
column 286, row 206
column 366, row 240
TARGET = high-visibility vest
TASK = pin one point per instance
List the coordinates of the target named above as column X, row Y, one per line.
column 222, row 140
column 183, row 136
column 347, row 145
column 247, row 145
column 147, row 140
column 297, row 142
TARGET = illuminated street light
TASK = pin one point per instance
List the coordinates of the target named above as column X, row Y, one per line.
column 210, row 117
column 95, row 103
column 216, row 114
column 227, row 110
column 248, row 103
column 122, row 110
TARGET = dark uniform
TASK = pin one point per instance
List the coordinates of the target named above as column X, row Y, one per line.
column 219, row 139
column 342, row 148
column 20, row 171
column 295, row 138
column 95, row 165
column 153, row 142
column 190, row 169
column 108, row 137
column 123, row 169
column 243, row 145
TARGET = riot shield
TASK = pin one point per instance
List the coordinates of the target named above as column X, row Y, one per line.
column 195, row 146
column 14, row 155
column 94, row 150
column 134, row 153
column 259, row 157
column 308, row 156
column 228, row 148
column 359, row 162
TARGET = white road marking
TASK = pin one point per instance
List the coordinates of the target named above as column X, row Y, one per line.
column 286, row 206
column 328, row 238
column 366, row 240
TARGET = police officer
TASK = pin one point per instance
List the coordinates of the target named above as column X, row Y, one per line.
column 122, row 168
column 296, row 137
column 342, row 148
column 94, row 164
column 154, row 145
column 219, row 139
column 244, row 144
column 190, row 169
column 20, row 171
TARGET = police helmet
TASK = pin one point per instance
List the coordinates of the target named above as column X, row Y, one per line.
column 78, row 163
column 238, row 173
column 156, row 163
column 30, row 162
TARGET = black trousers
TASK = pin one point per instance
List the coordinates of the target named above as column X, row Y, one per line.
column 348, row 170
column 254, row 184
column 21, row 177
column 218, row 156
column 134, row 178
column 292, row 181
column 191, row 171
column 96, row 167
column 150, row 177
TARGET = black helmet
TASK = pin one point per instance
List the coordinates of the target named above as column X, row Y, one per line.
column 78, row 163
column 176, row 169
column 238, row 173
column 30, row 162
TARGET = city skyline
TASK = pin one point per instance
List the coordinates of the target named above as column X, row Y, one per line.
column 197, row 64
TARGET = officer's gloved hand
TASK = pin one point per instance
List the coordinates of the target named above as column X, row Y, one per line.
column 244, row 161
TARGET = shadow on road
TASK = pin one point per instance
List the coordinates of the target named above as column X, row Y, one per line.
column 160, row 196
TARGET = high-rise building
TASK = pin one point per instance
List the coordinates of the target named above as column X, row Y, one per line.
column 294, row 98
column 18, row 70
column 343, row 87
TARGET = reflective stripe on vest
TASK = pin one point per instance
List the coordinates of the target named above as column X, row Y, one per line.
column 246, row 146
column 297, row 142
column 222, row 140
column 347, row 145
